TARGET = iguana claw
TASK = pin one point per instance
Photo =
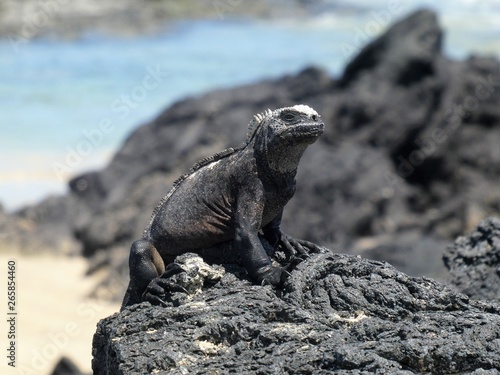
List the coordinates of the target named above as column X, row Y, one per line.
column 294, row 247
column 154, row 300
column 161, row 286
column 171, row 270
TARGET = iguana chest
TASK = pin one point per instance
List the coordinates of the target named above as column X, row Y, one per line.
column 274, row 201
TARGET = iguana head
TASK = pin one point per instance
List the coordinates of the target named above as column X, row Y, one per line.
column 297, row 124
column 281, row 136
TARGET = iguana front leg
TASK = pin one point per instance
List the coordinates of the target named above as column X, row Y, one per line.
column 248, row 216
column 272, row 232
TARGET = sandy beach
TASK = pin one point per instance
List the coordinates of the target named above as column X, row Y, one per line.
column 55, row 316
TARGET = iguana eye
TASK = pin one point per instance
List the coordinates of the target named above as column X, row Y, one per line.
column 288, row 116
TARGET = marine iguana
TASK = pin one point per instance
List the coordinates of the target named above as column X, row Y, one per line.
column 228, row 198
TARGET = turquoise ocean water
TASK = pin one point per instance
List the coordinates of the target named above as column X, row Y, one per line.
column 59, row 96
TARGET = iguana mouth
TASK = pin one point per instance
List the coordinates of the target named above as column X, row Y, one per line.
column 303, row 130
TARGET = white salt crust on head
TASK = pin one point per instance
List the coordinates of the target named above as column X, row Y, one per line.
column 304, row 109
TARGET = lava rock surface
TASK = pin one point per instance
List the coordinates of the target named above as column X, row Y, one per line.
column 474, row 262
column 337, row 314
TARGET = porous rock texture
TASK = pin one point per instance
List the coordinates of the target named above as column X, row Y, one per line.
column 474, row 262
column 409, row 159
column 337, row 314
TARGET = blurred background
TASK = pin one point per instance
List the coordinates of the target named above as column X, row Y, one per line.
column 64, row 67
column 78, row 77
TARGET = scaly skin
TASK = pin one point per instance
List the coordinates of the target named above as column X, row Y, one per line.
column 226, row 200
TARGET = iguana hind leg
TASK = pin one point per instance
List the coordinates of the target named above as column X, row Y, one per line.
column 145, row 264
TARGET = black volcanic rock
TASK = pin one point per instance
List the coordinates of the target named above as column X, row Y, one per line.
column 404, row 55
column 337, row 314
column 474, row 262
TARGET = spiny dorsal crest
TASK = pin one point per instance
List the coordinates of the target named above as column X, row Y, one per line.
column 213, row 158
column 257, row 120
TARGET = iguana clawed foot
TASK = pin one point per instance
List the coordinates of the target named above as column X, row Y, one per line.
column 162, row 288
column 295, row 248
column 183, row 278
